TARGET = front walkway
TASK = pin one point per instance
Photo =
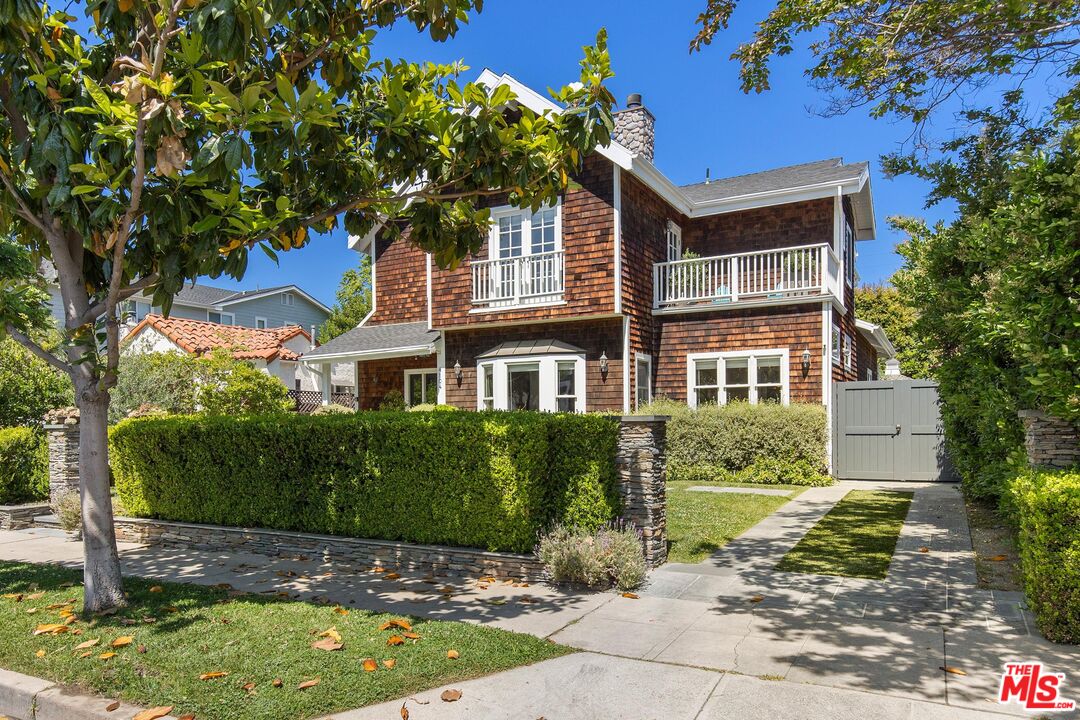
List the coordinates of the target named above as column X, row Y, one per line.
column 690, row 646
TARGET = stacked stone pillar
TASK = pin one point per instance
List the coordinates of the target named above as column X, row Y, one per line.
column 1051, row 442
column 642, row 466
column 62, row 434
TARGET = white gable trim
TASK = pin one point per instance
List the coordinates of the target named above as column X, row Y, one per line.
column 276, row 291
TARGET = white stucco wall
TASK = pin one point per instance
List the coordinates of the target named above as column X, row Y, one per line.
column 149, row 340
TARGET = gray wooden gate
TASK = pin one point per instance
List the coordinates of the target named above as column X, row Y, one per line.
column 888, row 430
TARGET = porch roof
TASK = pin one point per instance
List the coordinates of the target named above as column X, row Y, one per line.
column 377, row 341
column 529, row 347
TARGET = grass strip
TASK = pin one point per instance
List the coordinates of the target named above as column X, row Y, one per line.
column 181, row 632
column 854, row 539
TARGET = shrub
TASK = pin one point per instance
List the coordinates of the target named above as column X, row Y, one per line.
column 24, row 466
column 1046, row 507
column 332, row 409
column 29, row 387
column 488, row 480
column 184, row 384
column 429, row 407
column 392, row 400
column 611, row 555
column 67, row 507
column 717, row 438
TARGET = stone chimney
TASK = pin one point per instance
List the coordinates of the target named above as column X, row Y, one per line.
column 635, row 128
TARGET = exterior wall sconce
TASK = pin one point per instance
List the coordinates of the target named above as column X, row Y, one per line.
column 603, row 363
column 457, row 371
column 806, row 362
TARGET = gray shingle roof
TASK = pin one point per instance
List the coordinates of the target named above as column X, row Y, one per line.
column 530, row 347
column 241, row 295
column 792, row 176
column 374, row 338
column 200, row 295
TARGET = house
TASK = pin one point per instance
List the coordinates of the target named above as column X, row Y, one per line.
column 275, row 351
column 629, row 287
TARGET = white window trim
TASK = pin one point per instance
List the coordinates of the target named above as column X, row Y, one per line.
column 642, row 358
column 526, row 228
column 265, row 323
column 421, row 371
column 752, row 357
column 222, row 315
column 836, row 341
column 549, row 379
column 849, row 351
column 288, row 299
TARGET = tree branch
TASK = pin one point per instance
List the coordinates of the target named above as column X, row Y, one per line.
column 37, row 350
column 98, row 309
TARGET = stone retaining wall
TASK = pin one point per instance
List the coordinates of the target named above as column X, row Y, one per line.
column 14, row 517
column 437, row 559
column 1050, row 441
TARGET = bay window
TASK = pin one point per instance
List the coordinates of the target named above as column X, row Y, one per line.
column 753, row 376
column 550, row 383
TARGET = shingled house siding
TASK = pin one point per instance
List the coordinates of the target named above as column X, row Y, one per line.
column 867, row 358
column 588, row 244
column 400, row 282
column 378, row 377
column 778, row 226
column 795, row 327
column 603, row 392
column 846, row 323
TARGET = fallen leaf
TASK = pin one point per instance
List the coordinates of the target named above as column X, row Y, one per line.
column 486, row 580
column 157, row 589
column 341, row 611
column 332, row 634
column 31, row 611
column 189, row 716
column 632, row 596
column 378, row 569
column 213, row 675
column 276, row 682
column 86, row 654
column 106, row 655
column 87, row 644
column 483, row 587
column 171, row 609
column 327, row 644
column 999, row 558
column 50, row 629
column 412, row 635
column 113, row 706
column 398, row 623
column 952, row 670
column 757, row 598
column 154, row 713
column 248, row 686
column 40, row 653
column 450, row 695
column 391, row 576
column 35, row 596
column 122, row 641
column 56, row 606
column 404, row 711
column 395, row 640
column 924, row 549
column 307, row 684
column 497, row 601
column 370, row 665
column 452, row 654
column 17, row 597
column 389, row 664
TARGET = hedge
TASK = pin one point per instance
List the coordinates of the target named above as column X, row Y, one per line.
column 1045, row 504
column 24, row 466
column 722, row 440
column 486, row 480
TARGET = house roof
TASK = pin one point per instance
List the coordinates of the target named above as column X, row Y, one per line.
column 374, row 341
column 208, row 296
column 832, row 170
column 244, row 343
column 529, row 347
column 876, row 336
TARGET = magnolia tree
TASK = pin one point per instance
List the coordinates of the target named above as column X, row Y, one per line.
column 168, row 141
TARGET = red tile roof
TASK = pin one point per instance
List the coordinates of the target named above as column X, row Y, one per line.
column 200, row 337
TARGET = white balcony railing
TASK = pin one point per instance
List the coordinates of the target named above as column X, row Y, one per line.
column 527, row 280
column 726, row 280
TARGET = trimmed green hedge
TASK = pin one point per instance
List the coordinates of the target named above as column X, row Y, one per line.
column 749, row 443
column 1046, row 508
column 487, row 480
column 24, row 466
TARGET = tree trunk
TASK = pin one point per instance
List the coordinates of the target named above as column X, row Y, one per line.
column 101, row 570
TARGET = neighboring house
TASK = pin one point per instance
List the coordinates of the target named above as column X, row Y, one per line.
column 275, row 351
column 629, row 287
column 269, row 308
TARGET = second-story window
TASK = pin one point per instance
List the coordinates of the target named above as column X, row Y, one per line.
column 673, row 236
column 510, row 235
column 288, row 299
column 849, row 252
column 525, row 259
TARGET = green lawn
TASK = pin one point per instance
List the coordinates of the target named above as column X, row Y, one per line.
column 854, row 539
column 698, row 523
column 183, row 631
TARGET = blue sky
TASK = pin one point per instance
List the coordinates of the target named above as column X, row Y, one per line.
column 703, row 119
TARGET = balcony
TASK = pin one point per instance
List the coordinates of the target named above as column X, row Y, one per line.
column 731, row 281
column 518, row 281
